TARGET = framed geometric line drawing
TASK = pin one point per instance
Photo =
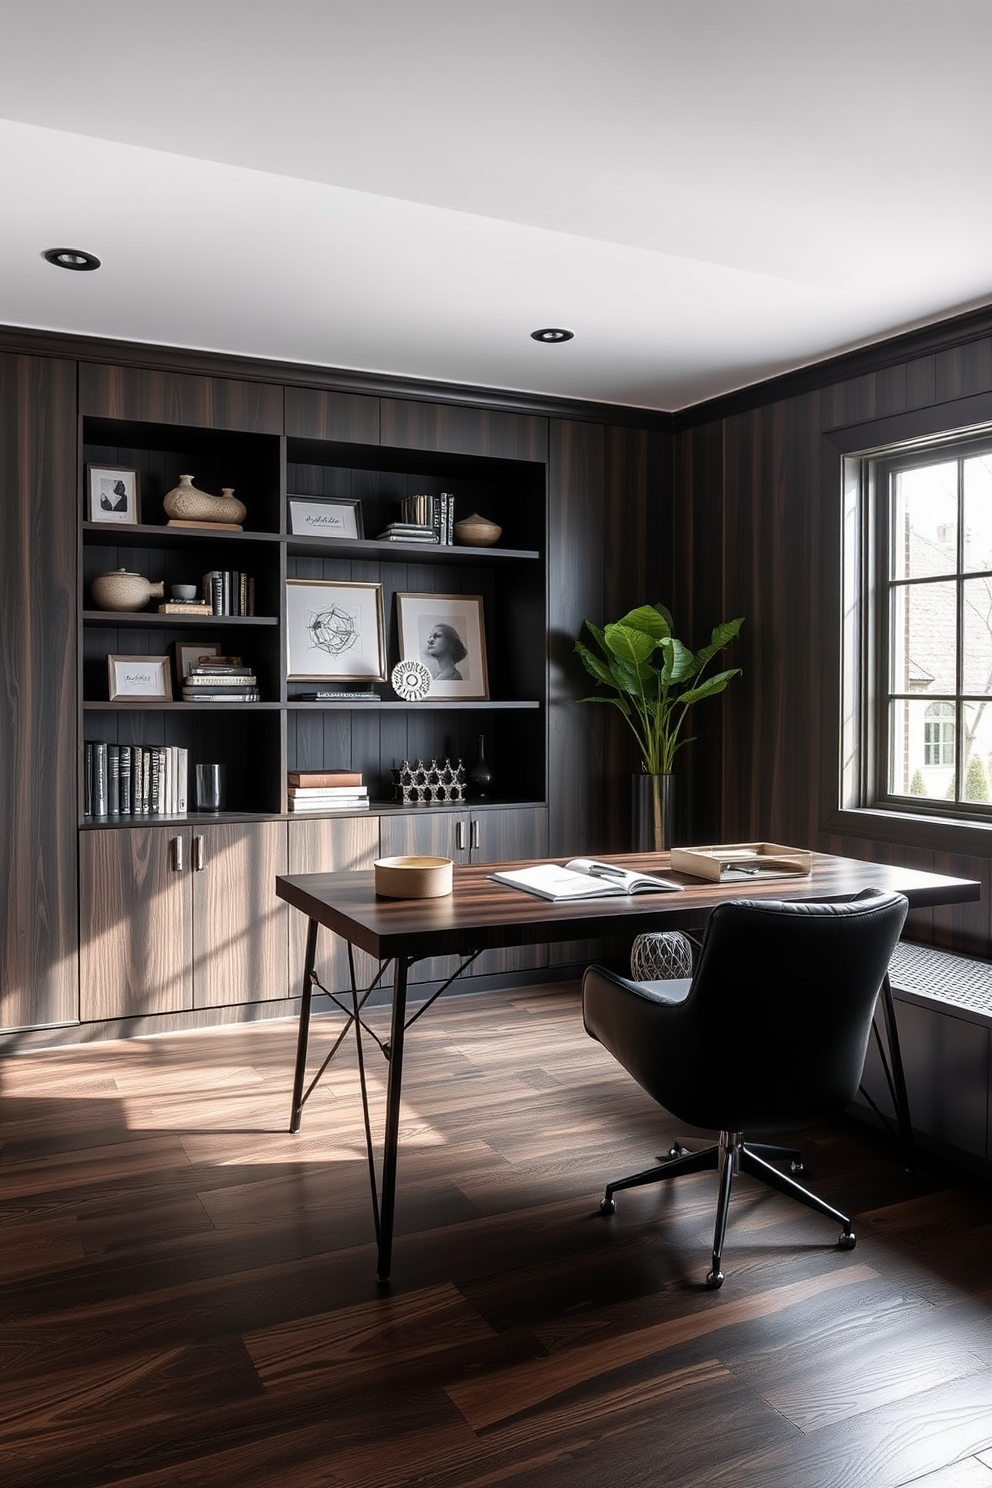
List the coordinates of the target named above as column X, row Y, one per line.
column 334, row 629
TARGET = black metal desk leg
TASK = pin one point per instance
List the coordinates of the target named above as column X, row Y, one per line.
column 898, row 1075
column 303, row 1037
column 394, row 1090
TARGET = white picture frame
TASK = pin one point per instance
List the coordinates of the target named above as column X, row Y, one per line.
column 456, row 657
column 334, row 630
column 325, row 516
column 139, row 677
column 113, row 495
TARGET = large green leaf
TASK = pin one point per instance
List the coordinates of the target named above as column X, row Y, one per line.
column 593, row 664
column 722, row 636
column 628, row 645
column 711, row 686
column 648, row 619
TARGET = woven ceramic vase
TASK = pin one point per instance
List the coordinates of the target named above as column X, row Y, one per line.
column 185, row 503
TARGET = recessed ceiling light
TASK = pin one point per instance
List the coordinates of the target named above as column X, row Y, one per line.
column 72, row 258
column 552, row 333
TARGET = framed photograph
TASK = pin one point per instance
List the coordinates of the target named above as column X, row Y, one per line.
column 112, row 494
column 334, row 629
column 188, row 653
column 317, row 516
column 139, row 677
column 447, row 633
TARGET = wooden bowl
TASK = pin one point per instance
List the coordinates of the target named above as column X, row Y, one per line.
column 477, row 532
column 413, row 878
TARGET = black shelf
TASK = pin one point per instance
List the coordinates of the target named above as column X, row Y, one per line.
column 149, row 534
column 313, row 547
column 124, row 619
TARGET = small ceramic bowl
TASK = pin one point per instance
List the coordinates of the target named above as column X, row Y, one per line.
column 184, row 591
column 477, row 532
column 413, row 877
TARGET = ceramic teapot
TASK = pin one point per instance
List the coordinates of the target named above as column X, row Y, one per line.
column 122, row 590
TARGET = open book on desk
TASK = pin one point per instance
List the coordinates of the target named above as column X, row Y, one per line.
column 582, row 878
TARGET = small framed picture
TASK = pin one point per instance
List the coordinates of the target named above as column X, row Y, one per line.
column 113, row 494
column 447, row 633
column 334, row 629
column 139, row 677
column 316, row 516
column 188, row 653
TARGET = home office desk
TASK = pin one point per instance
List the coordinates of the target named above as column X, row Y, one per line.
column 481, row 915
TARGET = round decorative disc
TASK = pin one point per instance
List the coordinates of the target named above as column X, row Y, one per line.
column 411, row 681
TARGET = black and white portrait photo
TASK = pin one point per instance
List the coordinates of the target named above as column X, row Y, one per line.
column 447, row 633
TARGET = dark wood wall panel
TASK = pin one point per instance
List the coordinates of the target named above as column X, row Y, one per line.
column 460, row 430
column 638, row 523
column 313, row 413
column 38, row 938
column 577, row 762
column 178, row 398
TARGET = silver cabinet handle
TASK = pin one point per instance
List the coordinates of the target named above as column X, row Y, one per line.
column 177, row 854
column 474, row 838
column 199, row 857
column 460, row 836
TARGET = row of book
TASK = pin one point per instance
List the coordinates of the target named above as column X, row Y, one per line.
column 220, row 679
column 424, row 518
column 326, row 790
column 229, row 592
column 129, row 780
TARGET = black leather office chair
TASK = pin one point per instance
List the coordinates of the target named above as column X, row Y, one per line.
column 769, row 1034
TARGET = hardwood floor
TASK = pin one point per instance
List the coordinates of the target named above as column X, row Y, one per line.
column 189, row 1294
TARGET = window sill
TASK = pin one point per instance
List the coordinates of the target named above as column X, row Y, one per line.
column 936, row 834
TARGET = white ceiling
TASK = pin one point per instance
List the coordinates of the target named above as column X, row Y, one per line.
column 706, row 192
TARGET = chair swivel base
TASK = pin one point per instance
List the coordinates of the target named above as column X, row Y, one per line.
column 731, row 1155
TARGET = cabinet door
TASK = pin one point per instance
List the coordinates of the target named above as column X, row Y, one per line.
column 135, row 923
column 435, row 834
column 330, row 845
column 504, row 836
column 240, row 927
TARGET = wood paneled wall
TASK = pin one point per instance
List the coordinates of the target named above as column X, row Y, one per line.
column 758, row 520
column 38, row 495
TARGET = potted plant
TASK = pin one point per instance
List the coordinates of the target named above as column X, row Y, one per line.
column 654, row 679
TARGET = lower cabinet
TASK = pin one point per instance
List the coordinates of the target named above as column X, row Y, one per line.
column 493, row 835
column 330, row 845
column 176, row 917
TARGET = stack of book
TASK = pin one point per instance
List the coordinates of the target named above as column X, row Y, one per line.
column 437, row 513
column 129, row 780
column 327, row 790
column 229, row 592
column 185, row 607
column 220, row 679
column 410, row 532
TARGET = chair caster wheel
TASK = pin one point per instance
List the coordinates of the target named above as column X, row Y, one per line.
column 607, row 1206
column 795, row 1168
column 714, row 1280
column 847, row 1240
column 677, row 1150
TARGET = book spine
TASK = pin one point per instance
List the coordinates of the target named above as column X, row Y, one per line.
column 437, row 518
column 88, row 780
column 449, row 517
column 182, row 787
column 113, row 780
column 146, row 782
column 125, row 777
column 155, row 793
column 251, row 594
column 137, row 772
column 100, row 779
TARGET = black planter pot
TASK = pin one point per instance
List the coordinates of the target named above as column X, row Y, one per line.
column 654, row 812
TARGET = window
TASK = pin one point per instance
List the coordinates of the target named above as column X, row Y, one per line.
column 925, row 636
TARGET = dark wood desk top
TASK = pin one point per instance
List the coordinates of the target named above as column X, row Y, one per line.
column 480, row 914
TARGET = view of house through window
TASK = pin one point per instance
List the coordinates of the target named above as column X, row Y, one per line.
column 935, row 627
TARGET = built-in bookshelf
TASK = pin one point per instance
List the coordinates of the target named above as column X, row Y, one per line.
column 284, row 730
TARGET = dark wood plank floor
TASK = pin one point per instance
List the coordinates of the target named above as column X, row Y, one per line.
column 189, row 1294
